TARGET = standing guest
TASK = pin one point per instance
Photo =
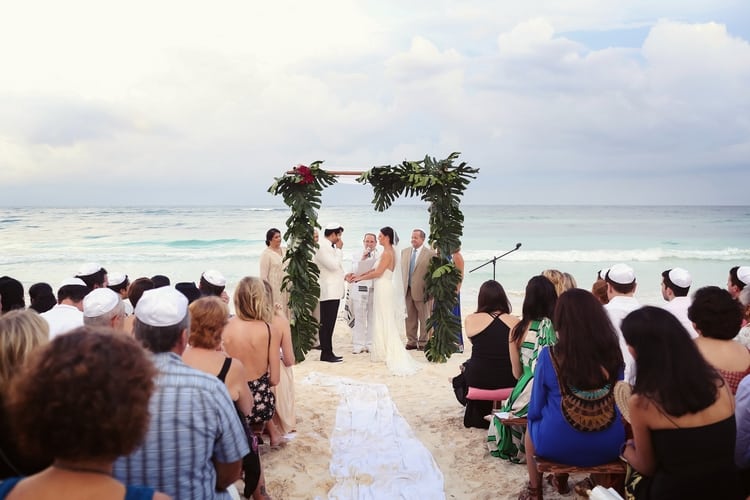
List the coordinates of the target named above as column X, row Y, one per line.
column 328, row 258
column 533, row 332
column 21, row 332
column 160, row 280
column 675, row 285
column 94, row 275
column 119, row 283
column 599, row 288
column 248, row 336
column 744, row 336
column 42, row 297
column 135, row 292
column 569, row 281
column 681, row 413
column 103, row 308
column 621, row 286
column 489, row 366
column 208, row 315
column 189, row 290
column 68, row 313
column 194, row 429
column 739, row 278
column 273, row 270
column 717, row 320
column 362, row 295
column 557, row 278
column 213, row 283
column 84, row 400
column 572, row 417
column 458, row 261
column 415, row 262
column 11, row 294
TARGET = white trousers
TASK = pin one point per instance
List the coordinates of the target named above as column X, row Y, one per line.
column 362, row 309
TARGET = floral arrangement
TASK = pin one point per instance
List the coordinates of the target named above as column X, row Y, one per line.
column 301, row 189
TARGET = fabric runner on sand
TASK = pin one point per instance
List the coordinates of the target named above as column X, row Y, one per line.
column 374, row 453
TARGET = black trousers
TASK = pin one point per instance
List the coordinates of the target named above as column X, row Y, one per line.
column 329, row 309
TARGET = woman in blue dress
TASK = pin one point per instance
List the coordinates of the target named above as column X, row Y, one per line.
column 572, row 416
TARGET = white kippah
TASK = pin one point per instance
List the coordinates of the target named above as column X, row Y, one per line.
column 72, row 281
column 743, row 274
column 333, row 226
column 99, row 302
column 116, row 278
column 622, row 274
column 680, row 277
column 163, row 306
column 88, row 269
column 214, row 277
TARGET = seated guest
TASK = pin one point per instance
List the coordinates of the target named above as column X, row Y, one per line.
column 82, row 399
column 94, row 275
column 208, row 316
column 742, row 446
column 21, row 332
column 120, row 284
column 195, row 443
column 135, row 292
column 11, row 294
column 572, row 415
column 489, row 366
column 68, row 313
column 42, row 297
column 534, row 331
column 681, row 413
column 103, row 308
column 557, row 278
column 160, row 280
column 743, row 337
column 213, row 283
column 717, row 320
column 675, row 285
column 739, row 278
column 189, row 290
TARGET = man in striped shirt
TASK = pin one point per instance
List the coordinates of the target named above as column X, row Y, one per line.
column 195, row 442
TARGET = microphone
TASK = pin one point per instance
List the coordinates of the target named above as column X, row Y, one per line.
column 518, row 245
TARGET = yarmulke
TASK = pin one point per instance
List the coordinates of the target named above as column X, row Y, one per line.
column 333, row 226
column 743, row 274
column 163, row 306
column 621, row 274
column 88, row 269
column 116, row 278
column 99, row 302
column 72, row 281
column 680, row 277
column 214, row 277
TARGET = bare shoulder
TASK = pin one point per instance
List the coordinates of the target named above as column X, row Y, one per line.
column 476, row 322
column 510, row 320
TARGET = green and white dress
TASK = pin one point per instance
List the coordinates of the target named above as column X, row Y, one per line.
column 506, row 441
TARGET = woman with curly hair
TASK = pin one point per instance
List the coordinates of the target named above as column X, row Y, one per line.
column 83, row 400
column 681, row 412
column 249, row 337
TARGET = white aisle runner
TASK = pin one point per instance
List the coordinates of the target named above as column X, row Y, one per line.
column 374, row 453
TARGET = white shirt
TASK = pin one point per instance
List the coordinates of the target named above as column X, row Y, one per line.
column 62, row 318
column 618, row 307
column 361, row 266
column 678, row 306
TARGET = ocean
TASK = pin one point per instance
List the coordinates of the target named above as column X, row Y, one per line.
column 49, row 244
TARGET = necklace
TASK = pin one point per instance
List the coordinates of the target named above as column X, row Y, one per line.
column 86, row 470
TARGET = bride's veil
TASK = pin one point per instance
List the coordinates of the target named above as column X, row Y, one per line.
column 399, row 294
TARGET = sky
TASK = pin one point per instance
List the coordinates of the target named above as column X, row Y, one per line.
column 204, row 103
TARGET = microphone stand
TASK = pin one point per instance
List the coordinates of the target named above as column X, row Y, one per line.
column 495, row 259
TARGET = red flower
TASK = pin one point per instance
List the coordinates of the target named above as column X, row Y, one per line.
column 306, row 173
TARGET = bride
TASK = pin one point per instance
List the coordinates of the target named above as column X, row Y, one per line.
column 389, row 313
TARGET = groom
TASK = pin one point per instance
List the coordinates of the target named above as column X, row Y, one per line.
column 328, row 258
column 415, row 262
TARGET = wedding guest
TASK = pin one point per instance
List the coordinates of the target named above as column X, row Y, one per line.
column 717, row 320
column 208, row 315
column 458, row 261
column 68, row 313
column 489, row 366
column 103, row 308
column 415, row 262
column 42, row 297
column 83, row 400
column 742, row 446
column 675, row 286
column 557, row 278
column 119, row 283
column 285, row 417
column 135, row 292
column 273, row 270
column 743, row 337
column 739, row 278
column 581, row 368
column 160, row 280
column 94, row 275
column 621, row 286
column 599, row 289
column 533, row 332
column 11, row 294
column 194, row 429
column 21, row 332
column 214, row 283
column 248, row 336
column 189, row 290
column 569, row 281
column 681, row 413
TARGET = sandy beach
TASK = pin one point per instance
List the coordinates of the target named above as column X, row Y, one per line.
column 426, row 402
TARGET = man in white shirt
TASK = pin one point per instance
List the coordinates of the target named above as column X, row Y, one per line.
column 621, row 287
column 329, row 259
column 68, row 313
column 675, row 285
column 361, row 295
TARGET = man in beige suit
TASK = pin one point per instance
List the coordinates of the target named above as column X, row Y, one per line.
column 414, row 264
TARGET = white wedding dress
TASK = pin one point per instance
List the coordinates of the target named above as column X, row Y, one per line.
column 388, row 329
